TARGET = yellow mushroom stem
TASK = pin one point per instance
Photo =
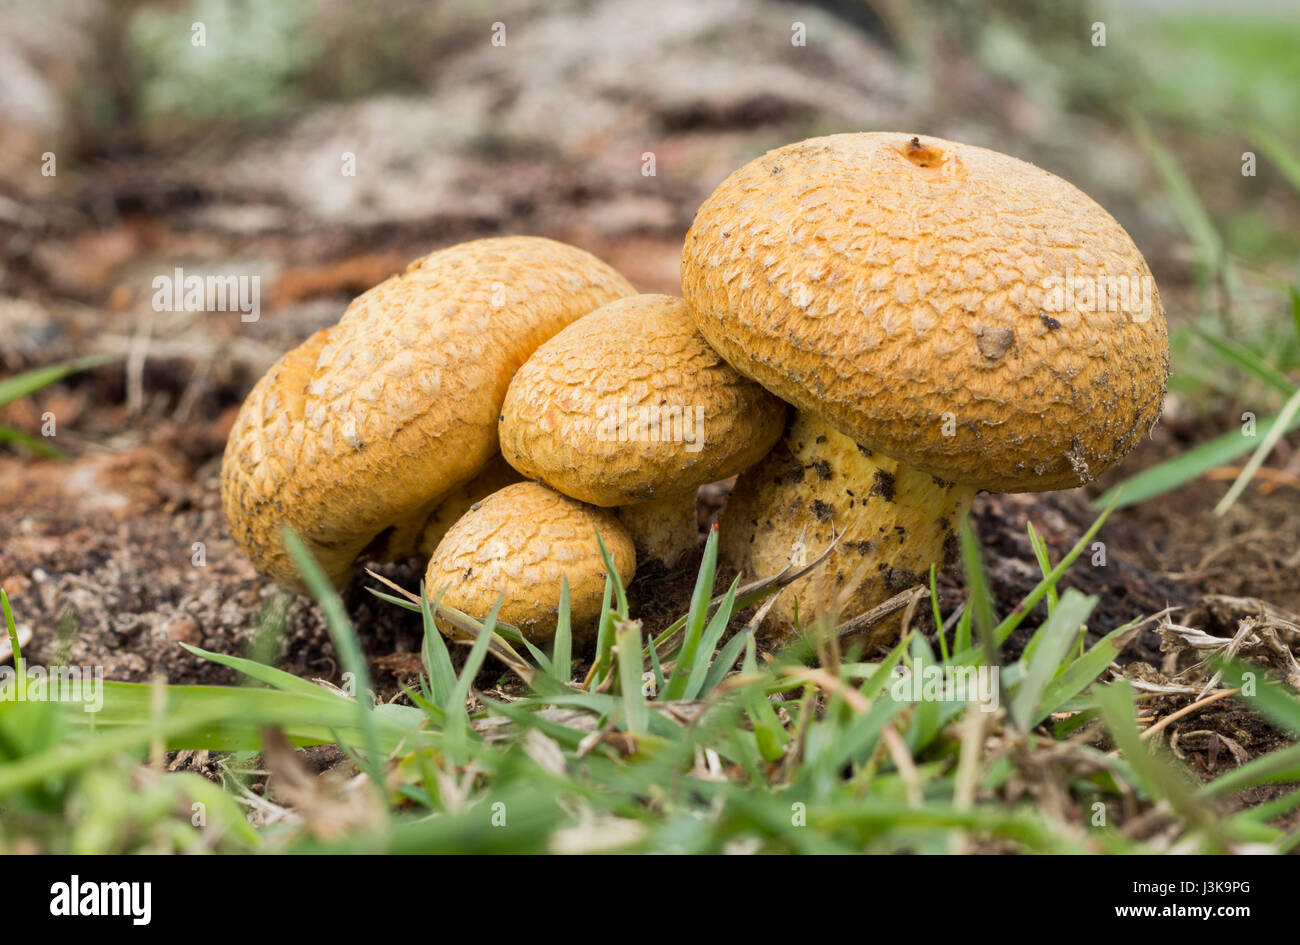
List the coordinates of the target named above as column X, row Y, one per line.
column 663, row 530
column 896, row 522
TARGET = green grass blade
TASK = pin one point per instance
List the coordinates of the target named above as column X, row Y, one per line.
column 938, row 614
column 1278, row 153
column 455, row 705
column 979, row 596
column 34, row 443
column 1158, row 775
column 1188, row 465
column 1206, row 242
column 655, row 667
column 29, row 382
column 562, row 649
column 1025, row 607
column 635, row 714
column 620, row 592
column 1248, row 360
column 769, row 734
column 1082, row 672
column 345, row 644
column 709, row 642
column 696, row 619
column 604, row 633
column 230, row 718
column 1044, row 565
column 1290, row 412
column 1053, row 642
column 1275, row 702
column 434, row 652
column 10, row 627
column 285, row 682
column 1278, row 767
column 727, row 657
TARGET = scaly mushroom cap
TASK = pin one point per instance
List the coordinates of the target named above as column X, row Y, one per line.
column 629, row 404
column 368, row 423
column 895, row 521
column 937, row 302
column 520, row 542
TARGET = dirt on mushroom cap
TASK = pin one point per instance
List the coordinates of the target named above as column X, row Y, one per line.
column 960, row 310
column 370, row 421
column 629, row 404
column 520, row 542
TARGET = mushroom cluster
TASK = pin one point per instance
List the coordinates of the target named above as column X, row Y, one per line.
column 941, row 318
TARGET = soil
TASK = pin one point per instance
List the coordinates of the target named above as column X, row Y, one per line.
column 120, row 553
column 101, row 559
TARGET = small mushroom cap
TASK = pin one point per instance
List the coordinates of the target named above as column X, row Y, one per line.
column 629, row 404
column 521, row 542
column 959, row 310
column 369, row 422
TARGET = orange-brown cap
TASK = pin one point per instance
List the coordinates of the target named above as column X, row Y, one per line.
column 959, row 310
column 628, row 404
column 522, row 541
column 367, row 423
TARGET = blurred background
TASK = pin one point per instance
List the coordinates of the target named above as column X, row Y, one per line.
column 319, row 146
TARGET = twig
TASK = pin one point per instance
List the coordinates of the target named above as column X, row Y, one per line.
column 831, row 684
column 138, row 354
column 902, row 759
column 1187, row 710
column 469, row 629
column 865, row 621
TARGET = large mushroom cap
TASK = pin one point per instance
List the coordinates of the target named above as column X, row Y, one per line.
column 366, row 425
column 522, row 542
column 628, row 404
column 957, row 309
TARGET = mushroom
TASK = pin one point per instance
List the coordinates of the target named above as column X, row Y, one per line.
column 521, row 542
column 663, row 529
column 354, row 437
column 496, row 475
column 628, row 407
column 964, row 314
column 817, row 485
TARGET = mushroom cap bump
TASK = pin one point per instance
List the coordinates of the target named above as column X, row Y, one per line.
column 364, row 426
column 895, row 522
column 628, row 404
column 520, row 542
column 959, row 310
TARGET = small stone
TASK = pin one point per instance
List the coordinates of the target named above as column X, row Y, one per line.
column 182, row 629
